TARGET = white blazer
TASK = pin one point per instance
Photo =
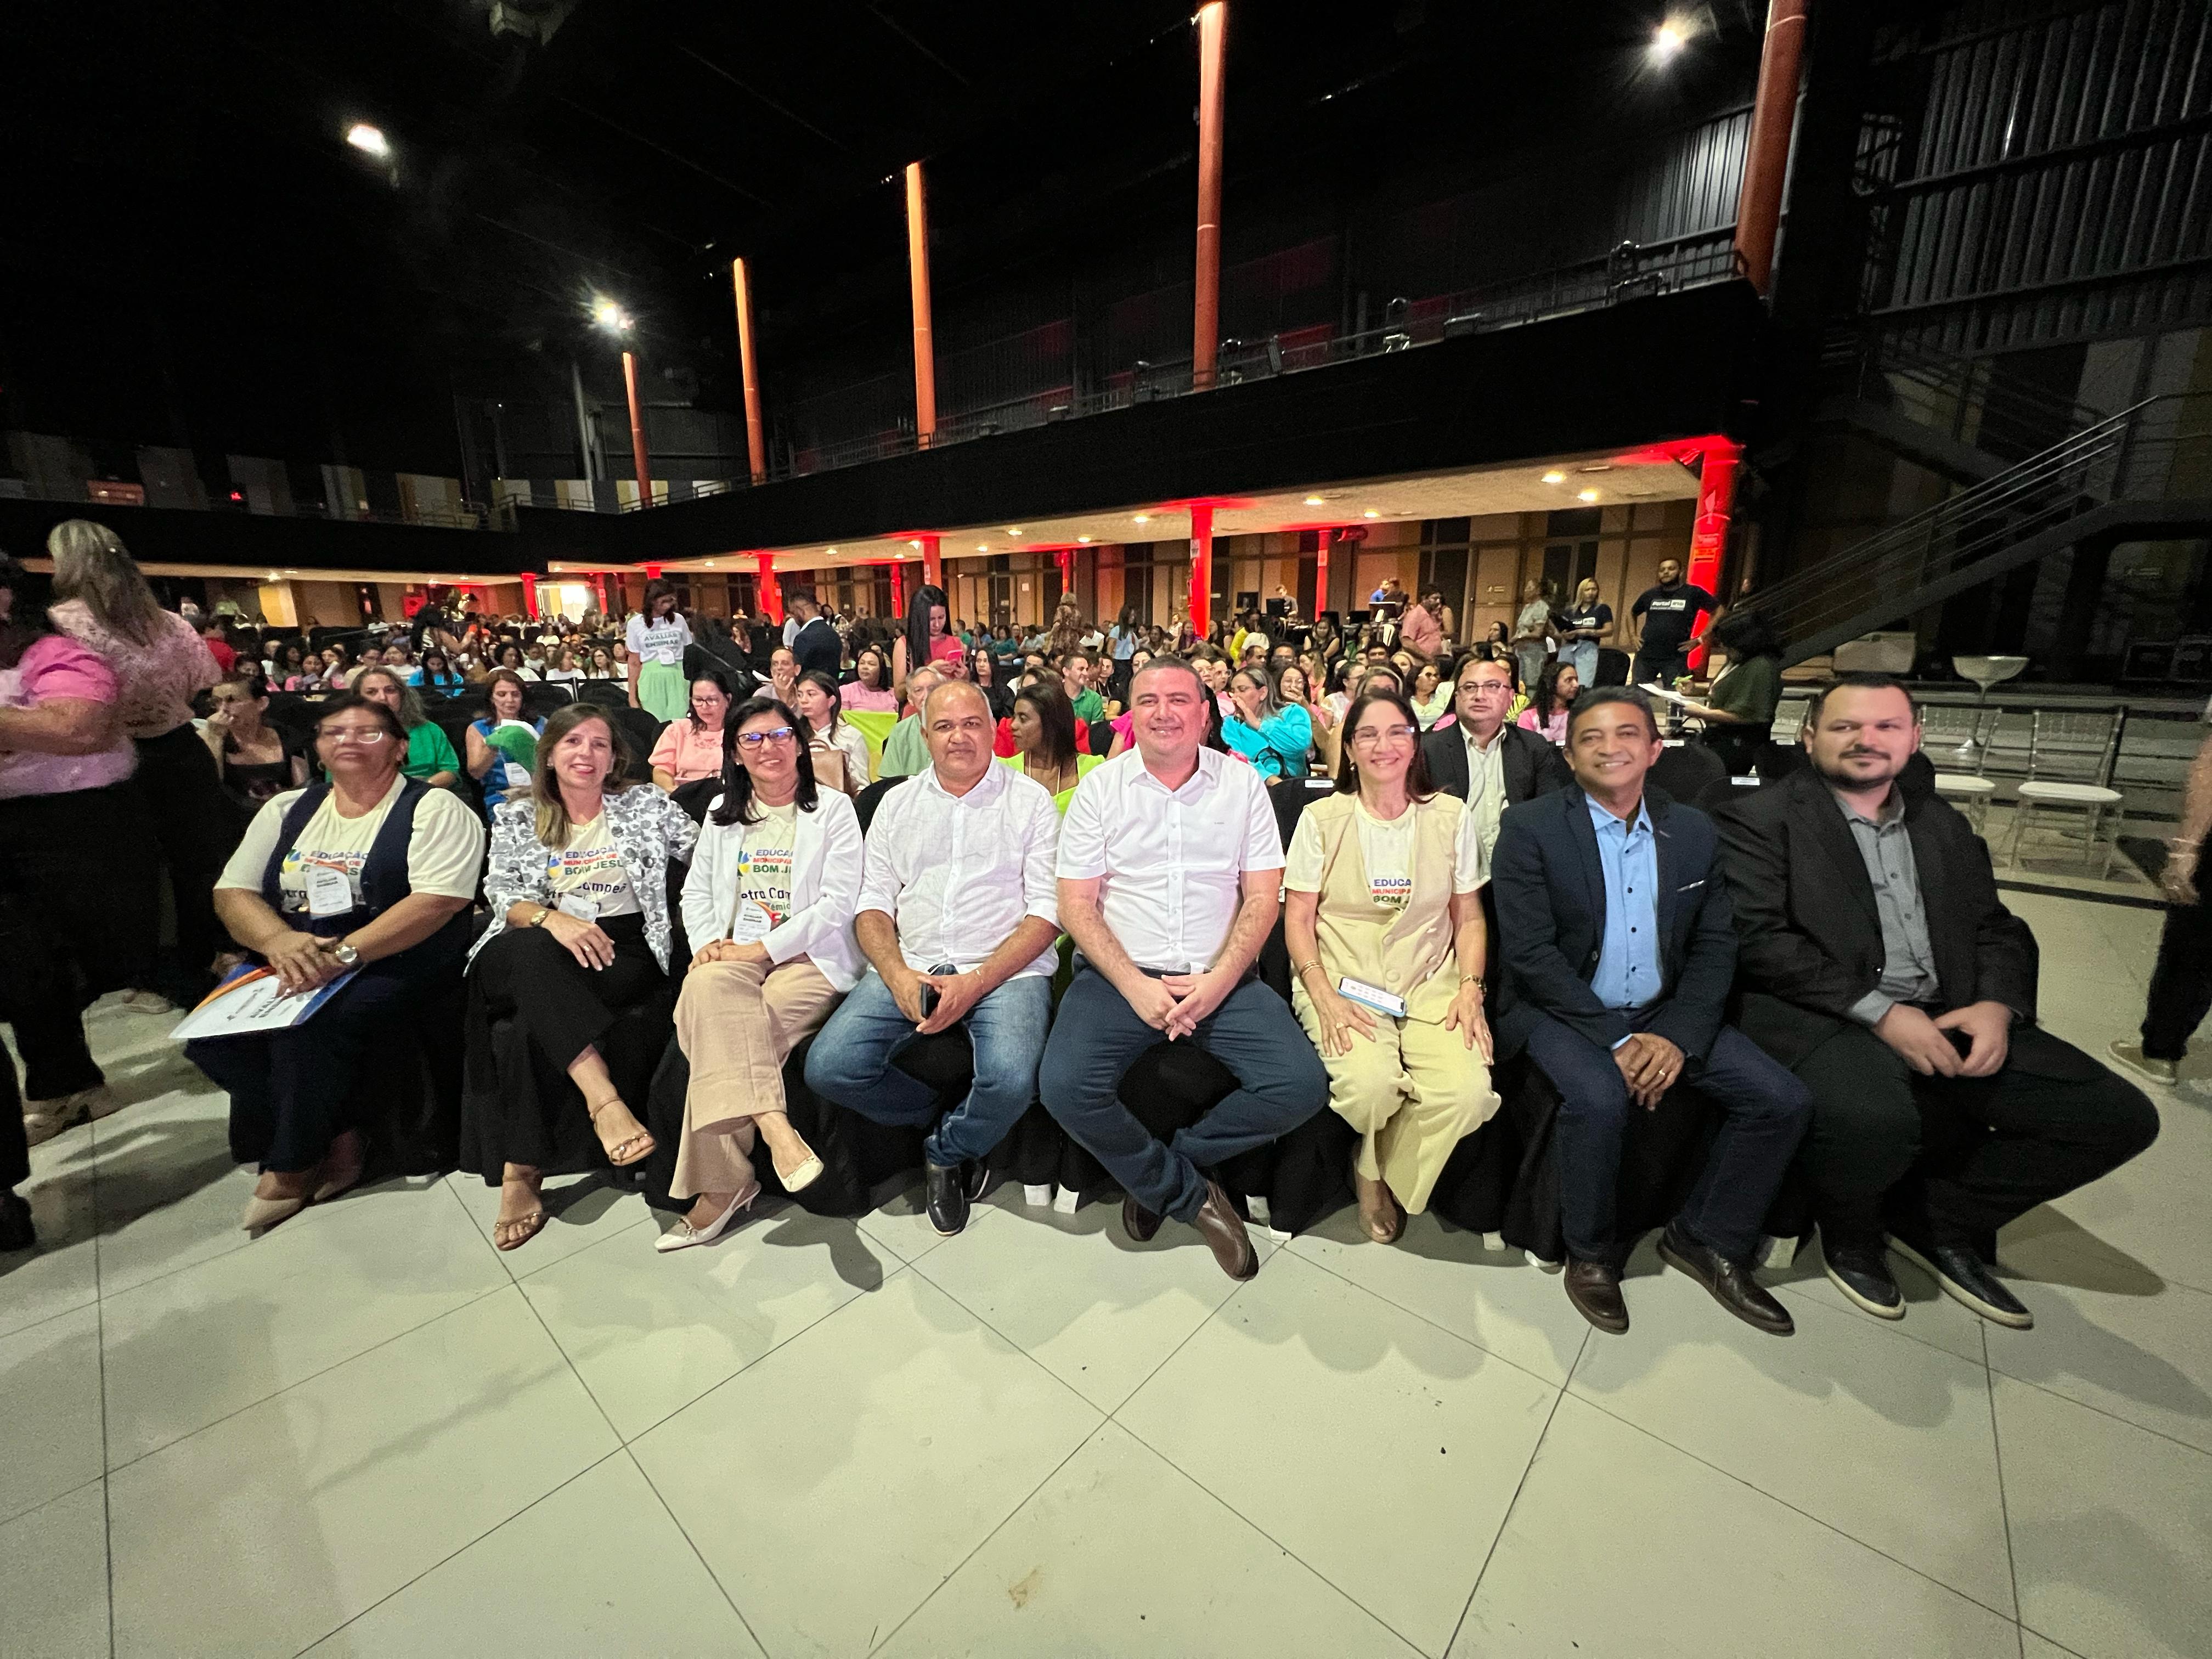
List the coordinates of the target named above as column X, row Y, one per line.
column 825, row 886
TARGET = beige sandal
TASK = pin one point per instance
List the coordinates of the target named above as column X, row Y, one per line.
column 505, row 1239
column 633, row 1149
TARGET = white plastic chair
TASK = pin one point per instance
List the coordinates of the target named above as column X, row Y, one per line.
column 1956, row 740
column 2070, row 757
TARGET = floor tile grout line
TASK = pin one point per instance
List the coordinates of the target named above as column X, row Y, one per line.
column 1513, row 1503
column 1264, row 1533
column 275, row 1394
column 1888, row 1328
column 997, row 1526
column 1826, row 1525
column 9, row 1519
column 460, row 1550
column 1416, row 1313
column 2124, row 1422
column 99, row 1334
column 683, row 1532
column 2004, row 1510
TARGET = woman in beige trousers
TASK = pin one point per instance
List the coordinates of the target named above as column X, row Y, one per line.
column 768, row 907
column 1383, row 898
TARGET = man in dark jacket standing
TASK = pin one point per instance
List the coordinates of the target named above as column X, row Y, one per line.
column 1619, row 956
column 1878, row 963
column 815, row 645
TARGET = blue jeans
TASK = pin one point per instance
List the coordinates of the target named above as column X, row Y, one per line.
column 1098, row 1036
column 851, row 1064
column 1581, row 655
column 1764, row 1111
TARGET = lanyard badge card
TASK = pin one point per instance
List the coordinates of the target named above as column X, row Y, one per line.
column 750, row 923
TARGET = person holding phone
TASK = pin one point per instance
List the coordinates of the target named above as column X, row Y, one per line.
column 1384, row 921
column 958, row 915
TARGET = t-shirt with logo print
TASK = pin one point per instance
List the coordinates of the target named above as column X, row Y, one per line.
column 769, row 851
column 586, row 876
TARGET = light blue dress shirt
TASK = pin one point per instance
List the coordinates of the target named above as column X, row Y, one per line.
column 1628, row 962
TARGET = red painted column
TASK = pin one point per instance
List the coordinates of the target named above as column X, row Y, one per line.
column 925, row 347
column 637, row 431
column 1766, row 157
column 898, row 588
column 1201, row 567
column 933, row 565
column 1321, row 573
column 530, row 593
column 771, row 592
column 756, row 445
column 600, row 588
column 652, row 572
column 1206, row 310
column 1709, row 536
column 1065, row 558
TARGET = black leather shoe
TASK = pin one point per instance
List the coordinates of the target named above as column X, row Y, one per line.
column 979, row 1177
column 1729, row 1281
column 947, row 1187
column 1223, row 1229
column 1966, row 1277
column 1594, row 1289
column 1139, row 1223
column 16, row 1232
column 1861, row 1272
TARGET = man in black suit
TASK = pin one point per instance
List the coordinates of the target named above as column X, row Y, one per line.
column 1878, row 963
column 1487, row 763
column 1619, row 953
column 815, row 645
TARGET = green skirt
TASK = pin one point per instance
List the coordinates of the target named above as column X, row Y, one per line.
column 660, row 688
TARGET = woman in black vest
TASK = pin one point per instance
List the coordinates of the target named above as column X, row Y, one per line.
column 370, row 871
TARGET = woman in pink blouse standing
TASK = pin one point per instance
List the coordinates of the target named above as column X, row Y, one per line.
column 160, row 664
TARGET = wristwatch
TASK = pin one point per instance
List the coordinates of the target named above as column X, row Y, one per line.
column 343, row 954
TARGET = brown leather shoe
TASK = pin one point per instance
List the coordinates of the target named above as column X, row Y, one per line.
column 1223, row 1229
column 1139, row 1223
column 1730, row 1282
column 1594, row 1289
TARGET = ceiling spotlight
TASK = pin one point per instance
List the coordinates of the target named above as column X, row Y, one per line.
column 1586, row 495
column 1555, row 477
column 609, row 315
column 1667, row 40
column 1313, row 500
column 1014, row 532
column 983, row 547
column 1371, row 513
column 829, row 552
column 916, row 545
column 1083, row 539
column 1143, row 518
column 369, row 140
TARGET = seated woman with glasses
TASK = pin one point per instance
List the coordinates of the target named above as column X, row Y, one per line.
column 371, row 872
column 580, row 935
column 1382, row 917
column 1276, row 739
column 769, row 907
column 690, row 747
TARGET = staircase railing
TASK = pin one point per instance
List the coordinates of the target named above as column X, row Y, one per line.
column 2152, row 451
column 1959, row 397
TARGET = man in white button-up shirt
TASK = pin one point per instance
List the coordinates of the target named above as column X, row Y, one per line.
column 956, row 903
column 1170, row 867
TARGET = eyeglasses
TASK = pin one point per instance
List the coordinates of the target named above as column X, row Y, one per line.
column 361, row 734
column 1365, row 739
column 753, row 740
column 1484, row 688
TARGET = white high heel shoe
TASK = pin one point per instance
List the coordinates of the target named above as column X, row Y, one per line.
column 683, row 1236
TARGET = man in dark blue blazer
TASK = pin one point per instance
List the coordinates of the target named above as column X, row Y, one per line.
column 1619, row 951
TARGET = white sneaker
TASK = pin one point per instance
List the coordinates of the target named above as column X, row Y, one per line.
column 2130, row 1055
column 45, row 1119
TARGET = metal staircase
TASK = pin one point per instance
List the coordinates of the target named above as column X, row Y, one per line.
column 2146, row 471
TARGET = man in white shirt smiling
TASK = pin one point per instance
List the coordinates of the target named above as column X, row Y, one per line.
column 955, row 900
column 1169, row 868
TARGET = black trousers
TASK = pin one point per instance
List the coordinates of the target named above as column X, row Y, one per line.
column 82, row 868
column 533, row 1008
column 2181, row 983
column 1953, row 1159
column 197, row 825
column 14, row 1142
column 294, row 1093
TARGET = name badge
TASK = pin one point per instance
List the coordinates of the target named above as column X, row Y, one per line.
column 750, row 924
column 329, row 892
column 1373, row 996
column 517, row 777
column 576, row 905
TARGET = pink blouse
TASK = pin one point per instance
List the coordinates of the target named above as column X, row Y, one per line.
column 56, row 665
column 156, row 680
column 867, row 699
column 687, row 755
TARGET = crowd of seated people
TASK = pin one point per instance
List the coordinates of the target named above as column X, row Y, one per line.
column 1470, row 903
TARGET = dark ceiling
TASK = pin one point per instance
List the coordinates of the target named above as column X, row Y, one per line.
column 195, row 255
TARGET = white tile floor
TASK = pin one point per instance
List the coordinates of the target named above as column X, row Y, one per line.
column 371, row 1434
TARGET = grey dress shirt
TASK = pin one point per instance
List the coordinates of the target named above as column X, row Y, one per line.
column 1908, row 960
